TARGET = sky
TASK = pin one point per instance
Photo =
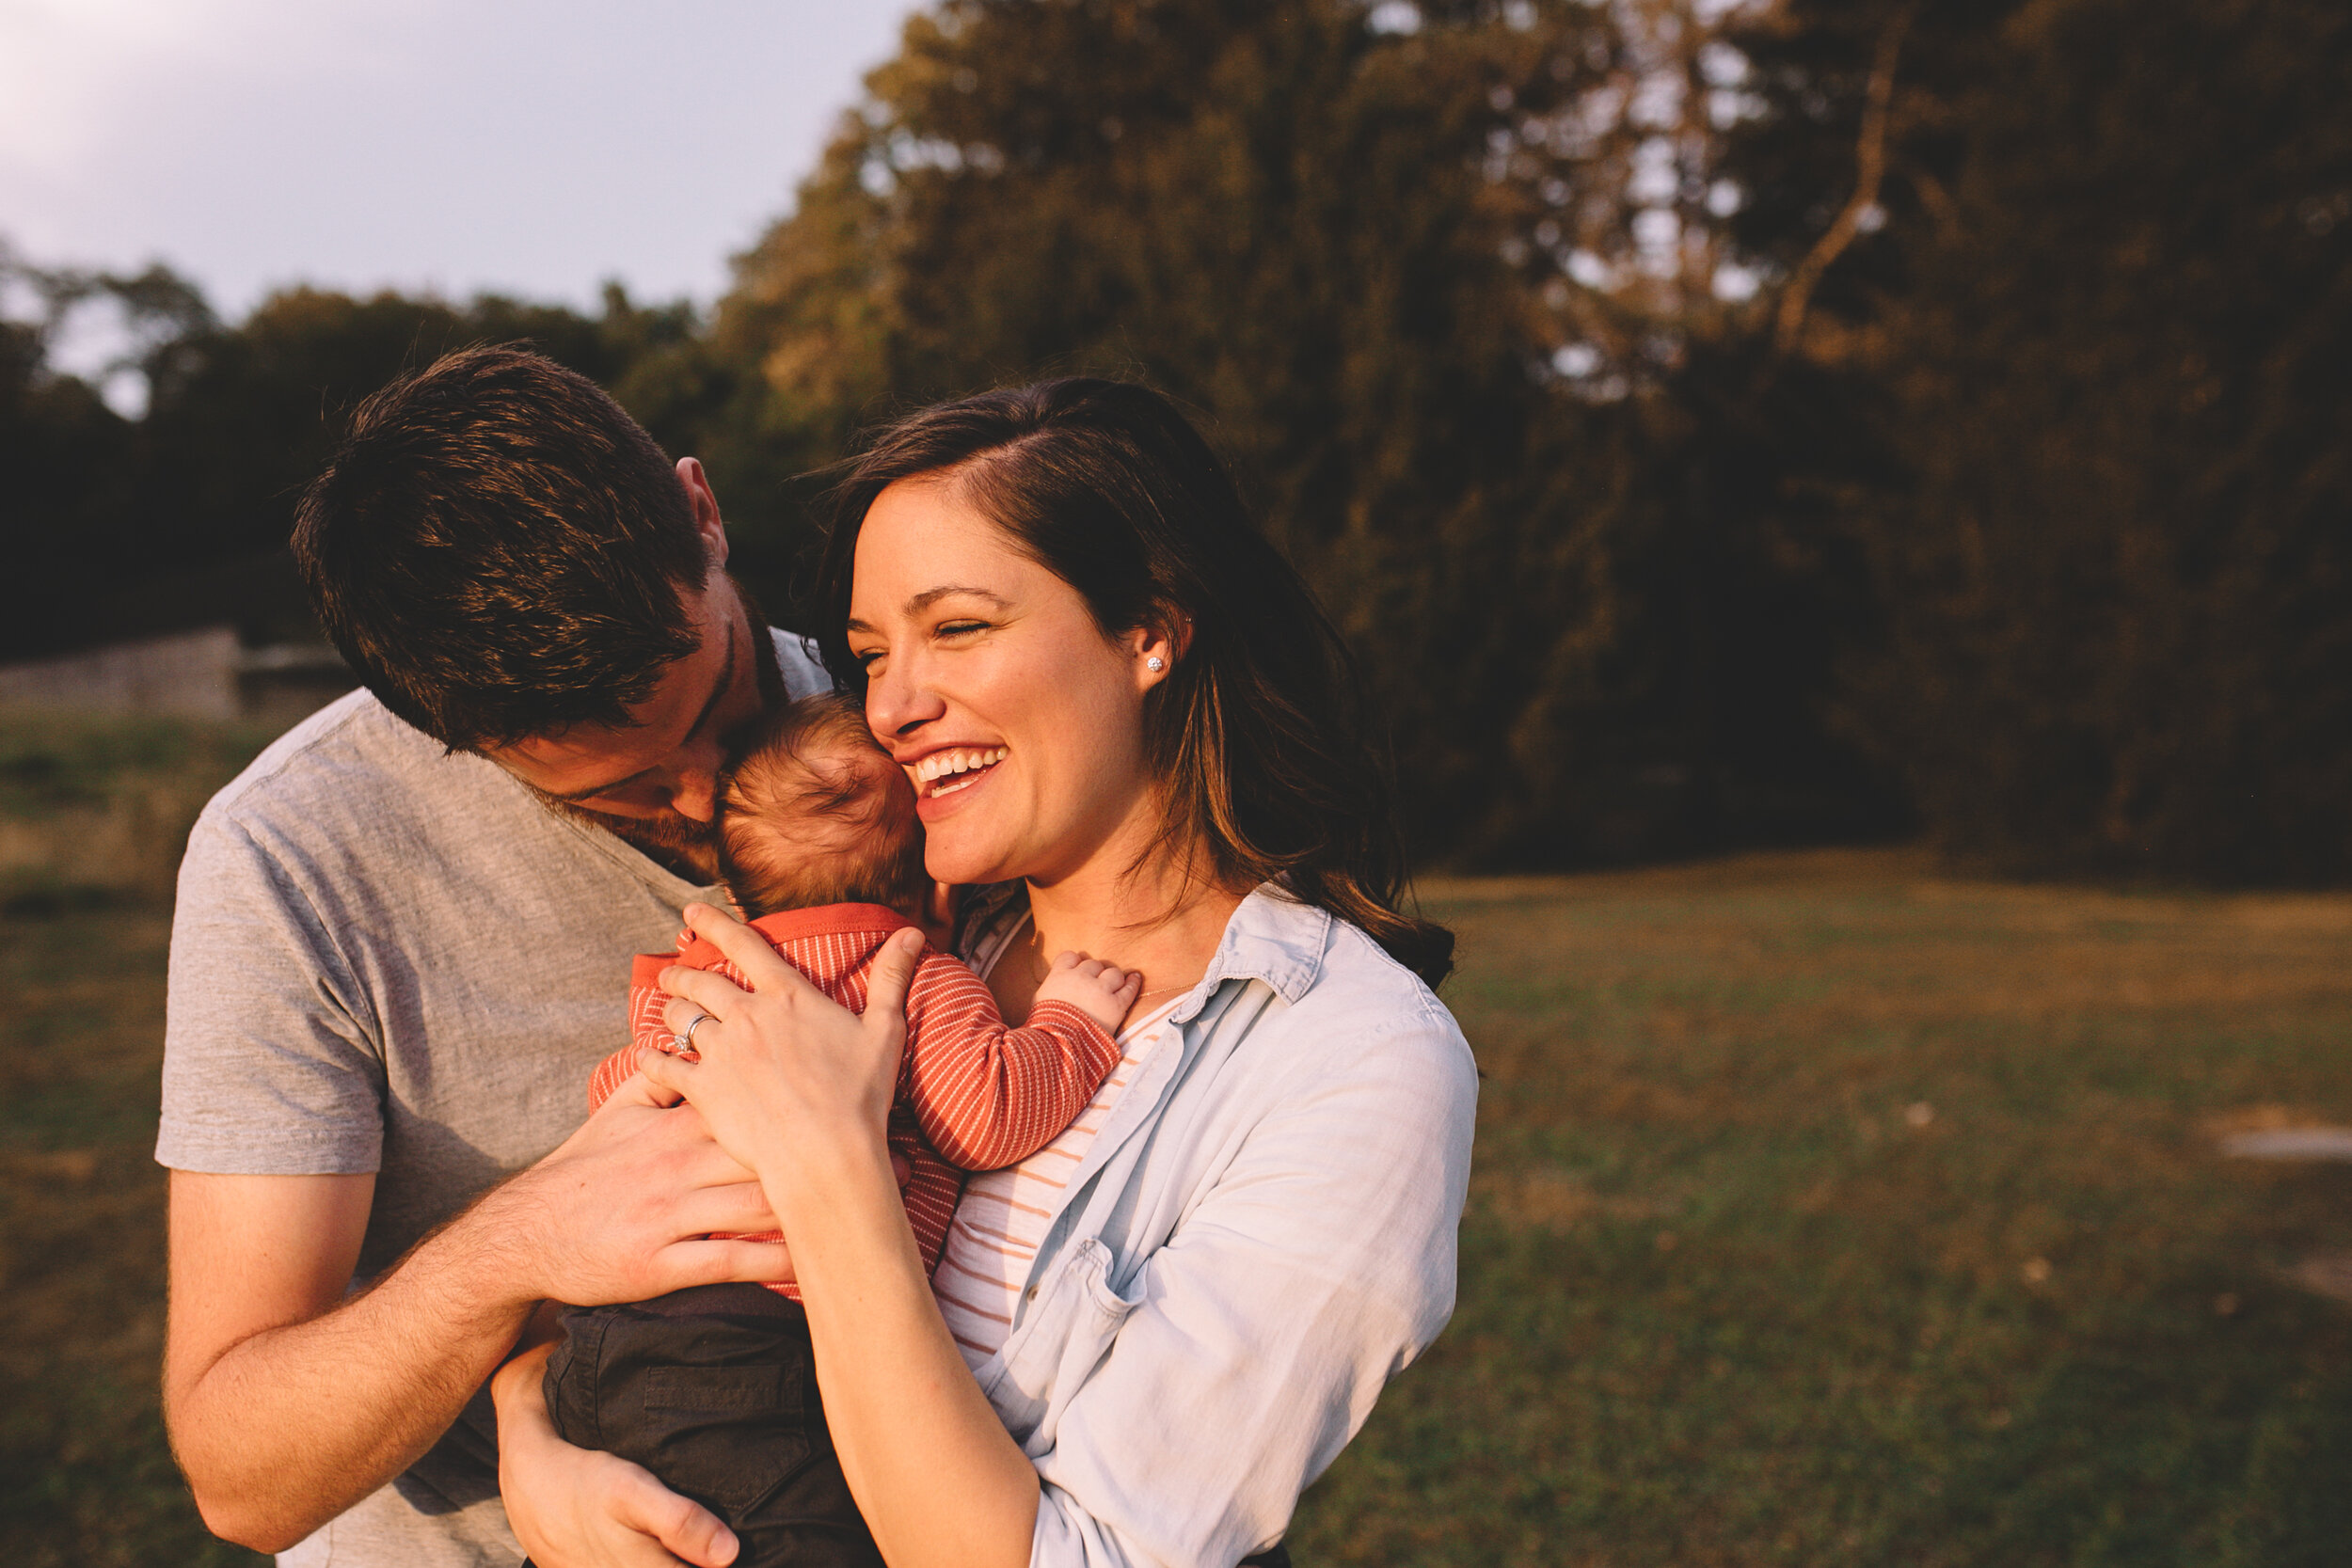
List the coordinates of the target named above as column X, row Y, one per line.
column 533, row 147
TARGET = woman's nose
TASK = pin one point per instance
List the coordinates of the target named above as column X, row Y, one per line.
column 897, row 703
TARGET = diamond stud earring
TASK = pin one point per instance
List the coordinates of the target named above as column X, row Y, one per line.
column 1155, row 664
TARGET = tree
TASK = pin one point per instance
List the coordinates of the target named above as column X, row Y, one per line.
column 1317, row 224
column 2102, row 338
column 182, row 514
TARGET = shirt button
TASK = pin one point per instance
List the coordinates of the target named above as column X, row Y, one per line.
column 1029, row 1294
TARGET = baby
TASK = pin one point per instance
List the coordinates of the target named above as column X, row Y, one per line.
column 714, row 1389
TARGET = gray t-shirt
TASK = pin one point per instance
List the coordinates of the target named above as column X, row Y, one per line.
column 388, row 959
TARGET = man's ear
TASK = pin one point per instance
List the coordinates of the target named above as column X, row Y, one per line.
column 707, row 522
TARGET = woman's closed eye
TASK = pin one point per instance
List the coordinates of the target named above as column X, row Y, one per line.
column 960, row 628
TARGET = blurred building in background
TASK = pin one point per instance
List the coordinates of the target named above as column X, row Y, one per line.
column 207, row 674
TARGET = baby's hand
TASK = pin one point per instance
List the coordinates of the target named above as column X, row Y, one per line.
column 1103, row 993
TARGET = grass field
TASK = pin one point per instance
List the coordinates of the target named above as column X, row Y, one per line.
column 90, row 817
column 1829, row 1212
column 1826, row 1210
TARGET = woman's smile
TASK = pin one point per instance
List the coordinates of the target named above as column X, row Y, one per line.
column 952, row 771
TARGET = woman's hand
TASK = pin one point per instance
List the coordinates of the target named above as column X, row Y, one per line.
column 784, row 1075
column 575, row 1508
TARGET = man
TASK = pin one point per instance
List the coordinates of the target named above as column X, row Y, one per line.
column 402, row 944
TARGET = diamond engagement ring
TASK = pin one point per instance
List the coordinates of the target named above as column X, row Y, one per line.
column 686, row 1041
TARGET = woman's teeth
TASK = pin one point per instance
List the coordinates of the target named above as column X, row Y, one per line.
column 946, row 765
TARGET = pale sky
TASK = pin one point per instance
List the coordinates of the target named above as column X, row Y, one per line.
column 536, row 146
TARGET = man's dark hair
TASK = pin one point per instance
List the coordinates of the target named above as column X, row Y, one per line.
column 498, row 551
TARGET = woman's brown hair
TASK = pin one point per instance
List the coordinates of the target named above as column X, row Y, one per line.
column 1259, row 729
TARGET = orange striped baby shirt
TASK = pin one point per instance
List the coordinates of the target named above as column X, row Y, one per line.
column 972, row 1094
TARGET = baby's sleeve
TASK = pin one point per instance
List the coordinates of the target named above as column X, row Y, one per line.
column 648, row 1029
column 986, row 1095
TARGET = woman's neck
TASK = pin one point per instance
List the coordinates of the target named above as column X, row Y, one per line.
column 1153, row 918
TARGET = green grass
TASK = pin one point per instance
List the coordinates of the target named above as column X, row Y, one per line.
column 85, row 1480
column 1825, row 1210
column 92, row 817
column 97, row 809
column 1828, row 1212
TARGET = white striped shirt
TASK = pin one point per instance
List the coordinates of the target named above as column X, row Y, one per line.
column 1003, row 1216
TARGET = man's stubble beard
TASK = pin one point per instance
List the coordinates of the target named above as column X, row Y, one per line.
column 678, row 844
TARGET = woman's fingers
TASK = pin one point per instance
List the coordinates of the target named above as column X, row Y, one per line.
column 894, row 969
column 743, row 948
column 667, row 1077
column 710, row 994
column 637, row 1089
column 678, row 1015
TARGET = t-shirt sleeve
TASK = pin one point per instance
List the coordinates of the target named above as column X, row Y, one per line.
column 273, row 1063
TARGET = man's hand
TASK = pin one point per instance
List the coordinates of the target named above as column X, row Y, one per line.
column 623, row 1208
column 287, row 1403
column 575, row 1508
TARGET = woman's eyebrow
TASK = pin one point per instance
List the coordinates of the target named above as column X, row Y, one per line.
column 931, row 596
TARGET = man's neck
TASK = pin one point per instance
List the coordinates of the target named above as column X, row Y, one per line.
column 685, row 849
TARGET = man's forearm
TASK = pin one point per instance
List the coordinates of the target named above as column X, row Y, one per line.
column 287, row 1403
column 291, row 1425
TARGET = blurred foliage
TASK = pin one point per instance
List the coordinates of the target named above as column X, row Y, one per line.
column 2107, row 329
column 1711, row 423
column 1323, row 234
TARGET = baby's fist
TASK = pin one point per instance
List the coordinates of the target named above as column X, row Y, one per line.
column 1102, row 992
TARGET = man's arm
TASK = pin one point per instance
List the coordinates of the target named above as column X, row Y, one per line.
column 257, row 1355
column 287, row 1403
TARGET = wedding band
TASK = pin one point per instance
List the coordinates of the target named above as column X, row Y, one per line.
column 686, row 1041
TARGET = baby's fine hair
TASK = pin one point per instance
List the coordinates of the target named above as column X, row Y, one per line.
column 812, row 811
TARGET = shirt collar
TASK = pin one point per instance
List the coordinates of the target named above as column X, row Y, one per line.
column 1272, row 937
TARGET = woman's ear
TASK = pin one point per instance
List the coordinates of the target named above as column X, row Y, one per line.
column 1156, row 646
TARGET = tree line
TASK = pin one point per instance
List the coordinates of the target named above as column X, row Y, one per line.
column 1711, row 424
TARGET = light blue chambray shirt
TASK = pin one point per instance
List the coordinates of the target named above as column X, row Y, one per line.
column 1261, row 1237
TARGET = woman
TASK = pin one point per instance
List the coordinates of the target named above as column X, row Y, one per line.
column 1129, row 722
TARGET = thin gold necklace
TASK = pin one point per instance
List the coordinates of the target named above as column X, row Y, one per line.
column 1040, row 969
